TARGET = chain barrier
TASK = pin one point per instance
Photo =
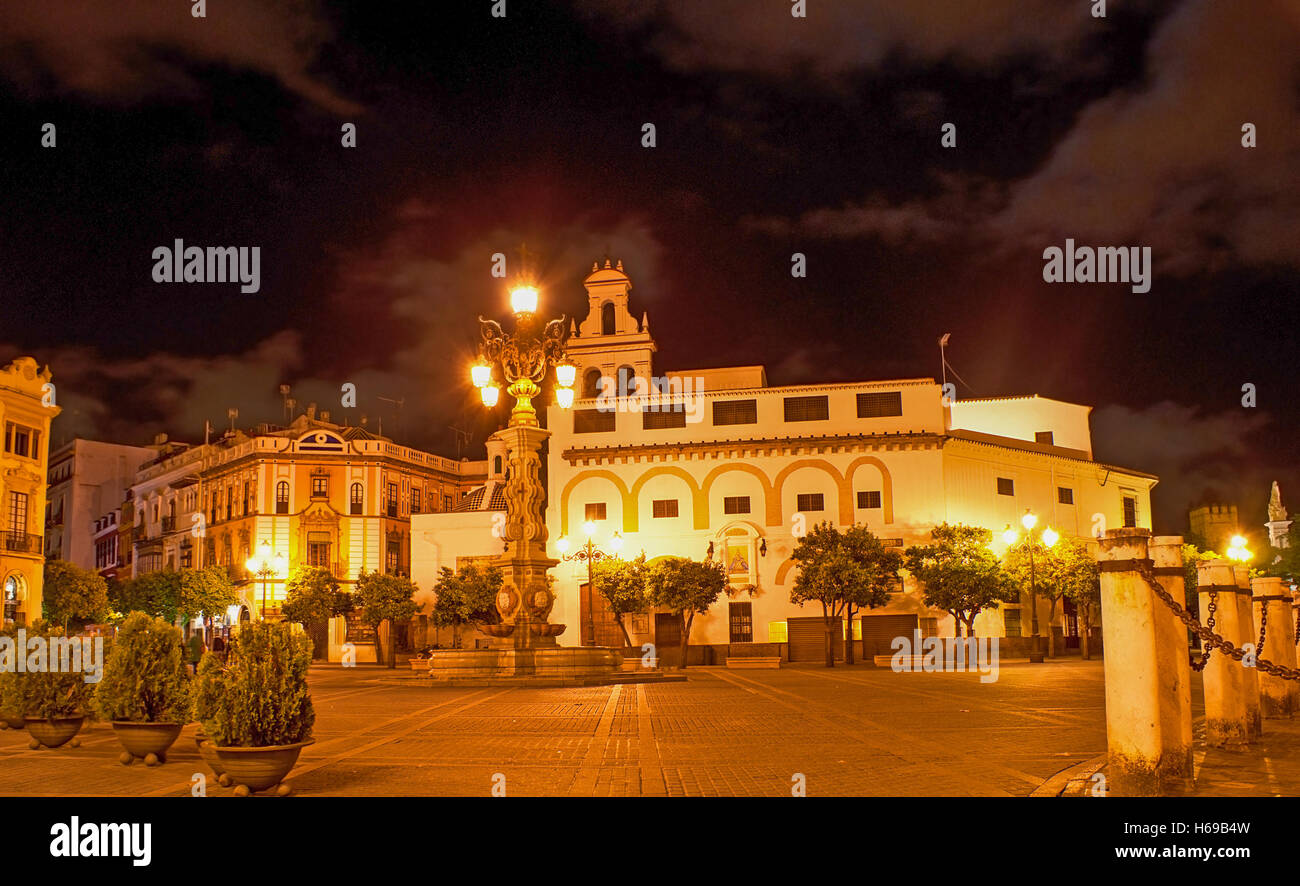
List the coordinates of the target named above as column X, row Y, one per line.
column 1209, row 639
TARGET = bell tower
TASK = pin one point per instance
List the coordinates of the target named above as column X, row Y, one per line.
column 610, row 343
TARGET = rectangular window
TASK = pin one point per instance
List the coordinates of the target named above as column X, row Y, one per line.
column 319, row 487
column 741, row 616
column 393, row 557
column 735, row 412
column 666, row 507
column 807, row 408
column 735, row 504
column 392, row 499
column 21, row 440
column 415, row 500
column 1011, row 621
column 658, row 421
column 592, row 421
column 594, row 510
column 880, row 405
column 1006, row 486
column 1043, row 437
column 1064, row 495
column 868, row 499
column 1130, row 511
column 318, row 549
column 810, row 501
column 448, row 503
column 17, row 513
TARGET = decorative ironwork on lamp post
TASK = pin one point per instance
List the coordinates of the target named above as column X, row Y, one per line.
column 1048, row 537
column 591, row 555
column 524, row 358
column 265, row 566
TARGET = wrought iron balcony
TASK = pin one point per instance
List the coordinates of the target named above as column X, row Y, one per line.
column 23, row 543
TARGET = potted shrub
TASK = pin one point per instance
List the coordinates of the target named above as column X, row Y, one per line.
column 208, row 687
column 11, row 703
column 54, row 703
column 260, row 715
column 145, row 691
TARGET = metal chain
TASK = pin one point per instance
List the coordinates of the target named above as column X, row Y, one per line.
column 1297, row 626
column 1209, row 639
column 1209, row 623
column 1263, row 626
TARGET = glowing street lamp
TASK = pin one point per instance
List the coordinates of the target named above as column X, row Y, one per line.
column 523, row 299
column 266, row 566
column 481, row 373
column 1238, row 551
column 590, row 554
column 490, row 395
column 1048, row 537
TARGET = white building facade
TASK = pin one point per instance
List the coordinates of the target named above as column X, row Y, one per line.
column 718, row 463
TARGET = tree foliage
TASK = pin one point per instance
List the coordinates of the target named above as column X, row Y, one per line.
column 843, row 571
column 73, row 593
column 383, row 597
column 466, row 595
column 155, row 593
column 208, row 591
column 313, row 595
column 959, row 574
column 623, row 585
column 1066, row 570
column 686, row 588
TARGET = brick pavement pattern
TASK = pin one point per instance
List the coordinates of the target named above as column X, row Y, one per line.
column 860, row 731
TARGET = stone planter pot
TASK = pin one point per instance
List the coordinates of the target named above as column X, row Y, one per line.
column 260, row 768
column 208, row 751
column 54, row 731
column 144, row 739
column 16, row 721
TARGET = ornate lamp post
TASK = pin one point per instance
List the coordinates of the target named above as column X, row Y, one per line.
column 525, row 358
column 265, row 566
column 590, row 554
column 1047, row 538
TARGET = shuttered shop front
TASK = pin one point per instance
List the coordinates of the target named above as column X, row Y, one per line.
column 879, row 631
column 808, row 639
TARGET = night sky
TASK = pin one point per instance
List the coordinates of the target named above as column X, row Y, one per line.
column 775, row 135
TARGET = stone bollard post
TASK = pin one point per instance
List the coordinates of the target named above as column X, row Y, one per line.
column 1278, row 698
column 1174, row 665
column 1148, row 745
column 1249, row 634
column 1226, row 717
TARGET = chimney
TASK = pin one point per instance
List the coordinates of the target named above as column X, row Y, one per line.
column 311, row 411
column 324, row 415
column 159, row 439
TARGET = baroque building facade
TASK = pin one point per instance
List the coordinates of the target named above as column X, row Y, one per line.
column 27, row 406
column 717, row 463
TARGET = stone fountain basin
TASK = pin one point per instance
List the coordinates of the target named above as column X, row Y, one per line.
column 500, row 630
column 546, row 630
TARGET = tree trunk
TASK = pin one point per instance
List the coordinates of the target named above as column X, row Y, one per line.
column 1051, row 634
column 627, row 638
column 830, row 648
column 848, row 639
column 686, row 635
column 1084, row 651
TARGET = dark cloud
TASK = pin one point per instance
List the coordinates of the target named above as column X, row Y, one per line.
column 130, row 49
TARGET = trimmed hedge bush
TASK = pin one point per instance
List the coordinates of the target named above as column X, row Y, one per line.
column 144, row 678
column 260, row 697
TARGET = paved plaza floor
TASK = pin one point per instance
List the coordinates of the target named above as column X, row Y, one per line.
column 848, row 731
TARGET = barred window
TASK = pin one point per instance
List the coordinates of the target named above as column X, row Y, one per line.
column 1043, row 437
column 807, row 408
column 881, row 404
column 1011, row 621
column 810, row 501
column 1006, row 486
column 666, row 507
column 657, row 421
column 594, row 511
column 592, row 421
column 869, row 498
column 735, row 504
column 735, row 412
column 1064, row 495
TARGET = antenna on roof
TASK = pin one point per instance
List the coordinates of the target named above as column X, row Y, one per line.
column 288, row 407
column 398, row 404
column 945, row 367
column 463, row 438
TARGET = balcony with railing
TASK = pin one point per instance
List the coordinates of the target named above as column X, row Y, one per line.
column 23, row 543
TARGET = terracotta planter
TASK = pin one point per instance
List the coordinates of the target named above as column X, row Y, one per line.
column 260, row 768
column 55, row 731
column 208, row 751
column 16, row 721
column 142, row 739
